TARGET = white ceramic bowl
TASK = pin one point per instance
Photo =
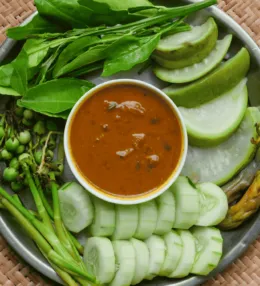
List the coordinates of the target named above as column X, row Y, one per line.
column 113, row 198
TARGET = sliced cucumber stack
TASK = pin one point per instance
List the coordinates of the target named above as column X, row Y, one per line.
column 104, row 219
column 213, row 204
column 99, row 259
column 141, row 260
column 189, row 47
column 166, row 213
column 219, row 81
column 156, row 248
column 190, row 73
column 209, row 244
column 125, row 261
column 187, row 203
column 75, row 206
column 219, row 164
column 174, row 249
column 210, row 124
column 187, row 257
column 147, row 219
column 126, row 222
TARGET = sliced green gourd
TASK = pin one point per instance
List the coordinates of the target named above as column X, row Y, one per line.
column 126, row 221
column 189, row 47
column 75, row 206
column 219, row 81
column 104, row 218
column 156, row 248
column 147, row 219
column 99, row 259
column 213, row 204
column 187, row 203
column 166, row 213
column 125, row 262
column 220, row 163
column 209, row 245
column 174, row 248
column 187, row 257
column 141, row 260
column 197, row 70
column 211, row 123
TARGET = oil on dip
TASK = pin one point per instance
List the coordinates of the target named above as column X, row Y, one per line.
column 125, row 140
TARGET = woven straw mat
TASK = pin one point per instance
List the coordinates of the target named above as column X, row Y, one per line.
column 245, row 271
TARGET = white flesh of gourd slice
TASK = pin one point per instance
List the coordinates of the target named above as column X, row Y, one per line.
column 187, row 203
column 126, row 221
column 166, row 213
column 178, row 41
column 213, row 204
column 147, row 218
column 125, row 263
column 188, row 255
column 174, row 248
column 99, row 259
column 210, row 124
column 197, row 70
column 209, row 247
column 157, row 249
column 219, row 164
column 75, row 206
column 104, row 219
column 141, row 260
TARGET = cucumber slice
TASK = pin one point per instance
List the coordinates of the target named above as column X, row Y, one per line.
column 195, row 71
column 209, row 245
column 99, row 258
column 174, row 248
column 187, row 203
column 210, row 124
column 126, row 221
column 104, row 218
column 187, row 257
column 219, row 164
column 219, row 81
column 75, row 207
column 147, row 218
column 166, row 213
column 195, row 44
column 125, row 260
column 156, row 248
column 213, row 204
column 141, row 260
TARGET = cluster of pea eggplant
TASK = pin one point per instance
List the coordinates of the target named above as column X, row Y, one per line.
column 26, row 135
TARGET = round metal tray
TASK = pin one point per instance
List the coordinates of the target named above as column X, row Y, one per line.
column 235, row 242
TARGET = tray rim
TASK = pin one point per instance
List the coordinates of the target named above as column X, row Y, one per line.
column 235, row 253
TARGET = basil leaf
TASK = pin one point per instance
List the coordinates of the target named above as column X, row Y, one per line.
column 55, row 96
column 68, row 12
column 19, row 75
column 63, row 115
column 104, row 6
column 6, row 90
column 72, row 51
column 6, row 72
column 94, row 54
column 37, row 25
column 129, row 51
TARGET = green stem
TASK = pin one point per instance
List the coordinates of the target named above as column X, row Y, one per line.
column 37, row 199
column 78, row 246
column 43, row 244
column 17, row 199
column 57, row 218
column 48, row 234
column 43, row 198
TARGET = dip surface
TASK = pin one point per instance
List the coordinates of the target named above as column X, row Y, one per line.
column 125, row 140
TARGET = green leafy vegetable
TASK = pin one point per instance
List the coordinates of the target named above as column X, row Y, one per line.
column 37, row 25
column 128, row 52
column 6, row 90
column 55, row 96
column 6, row 72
